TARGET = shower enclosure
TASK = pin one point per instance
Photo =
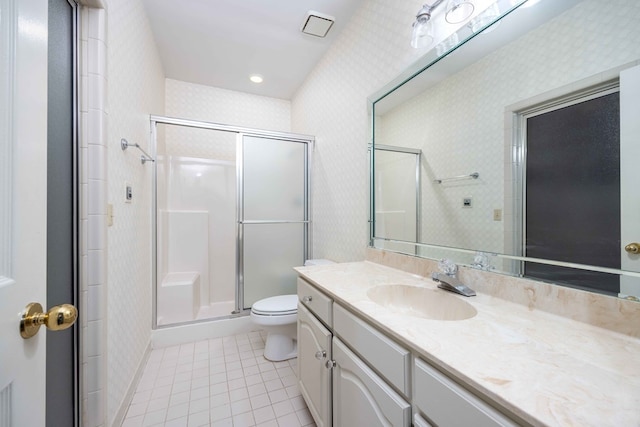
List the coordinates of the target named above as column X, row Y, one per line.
column 231, row 217
column 397, row 196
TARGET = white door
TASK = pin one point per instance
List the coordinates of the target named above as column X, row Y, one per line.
column 629, row 156
column 23, row 202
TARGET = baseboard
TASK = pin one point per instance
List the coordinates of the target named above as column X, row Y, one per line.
column 131, row 390
column 176, row 335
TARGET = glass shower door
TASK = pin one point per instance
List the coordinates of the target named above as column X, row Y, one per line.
column 273, row 216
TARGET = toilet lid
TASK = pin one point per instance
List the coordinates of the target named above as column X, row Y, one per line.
column 280, row 305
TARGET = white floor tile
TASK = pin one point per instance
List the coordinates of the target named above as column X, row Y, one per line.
column 290, row 420
column 244, row 420
column 240, row 407
column 178, row 422
column 227, row 422
column 283, row 408
column 154, row 417
column 178, row 411
column 198, row 420
column 219, row 382
column 220, row 412
column 263, row 414
column 197, row 406
column 260, row 401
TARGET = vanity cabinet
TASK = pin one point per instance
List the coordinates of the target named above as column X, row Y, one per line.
column 339, row 387
column 314, row 378
column 352, row 374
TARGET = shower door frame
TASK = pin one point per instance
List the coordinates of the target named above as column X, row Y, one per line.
column 240, row 132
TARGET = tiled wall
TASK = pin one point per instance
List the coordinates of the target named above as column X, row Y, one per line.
column 332, row 105
column 478, row 95
column 93, row 185
column 135, row 90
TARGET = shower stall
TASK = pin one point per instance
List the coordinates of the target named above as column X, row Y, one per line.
column 231, row 213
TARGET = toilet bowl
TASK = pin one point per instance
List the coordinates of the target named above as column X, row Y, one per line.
column 278, row 316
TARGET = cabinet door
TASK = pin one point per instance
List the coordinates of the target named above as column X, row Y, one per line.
column 360, row 397
column 314, row 378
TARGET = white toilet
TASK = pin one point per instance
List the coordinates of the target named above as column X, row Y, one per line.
column 278, row 316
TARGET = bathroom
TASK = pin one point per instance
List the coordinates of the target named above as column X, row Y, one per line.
column 128, row 83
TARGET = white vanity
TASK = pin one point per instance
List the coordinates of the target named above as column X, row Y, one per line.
column 366, row 363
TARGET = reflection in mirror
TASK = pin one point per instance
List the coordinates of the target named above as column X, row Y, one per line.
column 397, row 195
column 545, row 110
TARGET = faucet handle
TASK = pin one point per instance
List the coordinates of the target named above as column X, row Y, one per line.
column 448, row 267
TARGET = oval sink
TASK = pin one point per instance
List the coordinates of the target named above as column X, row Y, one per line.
column 421, row 302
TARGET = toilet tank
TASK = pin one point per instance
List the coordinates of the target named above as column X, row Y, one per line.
column 310, row 262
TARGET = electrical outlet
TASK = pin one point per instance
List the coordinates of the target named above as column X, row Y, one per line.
column 466, row 202
column 497, row 214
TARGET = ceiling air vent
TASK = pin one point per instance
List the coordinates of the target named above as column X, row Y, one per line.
column 317, row 24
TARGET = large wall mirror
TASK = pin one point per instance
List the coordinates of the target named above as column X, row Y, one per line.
column 527, row 137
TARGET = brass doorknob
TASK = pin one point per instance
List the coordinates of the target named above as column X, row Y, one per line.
column 56, row 319
column 633, row 248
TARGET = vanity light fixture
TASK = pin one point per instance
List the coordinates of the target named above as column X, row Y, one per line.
column 256, row 78
column 457, row 11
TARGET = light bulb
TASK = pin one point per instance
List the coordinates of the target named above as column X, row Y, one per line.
column 458, row 11
column 422, row 35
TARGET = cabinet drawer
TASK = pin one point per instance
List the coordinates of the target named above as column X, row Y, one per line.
column 448, row 404
column 360, row 397
column 316, row 301
column 383, row 354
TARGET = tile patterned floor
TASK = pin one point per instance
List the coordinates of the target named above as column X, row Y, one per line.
column 218, row 382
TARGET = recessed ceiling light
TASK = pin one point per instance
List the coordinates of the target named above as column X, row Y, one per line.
column 256, row 78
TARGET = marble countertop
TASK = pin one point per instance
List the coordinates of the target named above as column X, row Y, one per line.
column 546, row 369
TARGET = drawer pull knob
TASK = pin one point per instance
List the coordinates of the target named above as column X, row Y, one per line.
column 330, row 364
column 321, row 354
column 307, row 299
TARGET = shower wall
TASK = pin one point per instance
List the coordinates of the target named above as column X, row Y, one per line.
column 196, row 224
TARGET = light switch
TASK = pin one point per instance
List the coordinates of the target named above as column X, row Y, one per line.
column 497, row 214
column 128, row 192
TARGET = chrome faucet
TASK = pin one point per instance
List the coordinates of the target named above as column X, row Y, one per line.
column 449, row 281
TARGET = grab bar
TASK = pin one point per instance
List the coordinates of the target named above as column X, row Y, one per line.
column 474, row 175
column 144, row 158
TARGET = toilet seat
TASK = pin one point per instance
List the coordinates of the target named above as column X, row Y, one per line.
column 281, row 305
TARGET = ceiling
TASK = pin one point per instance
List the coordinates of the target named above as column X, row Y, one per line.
column 221, row 43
